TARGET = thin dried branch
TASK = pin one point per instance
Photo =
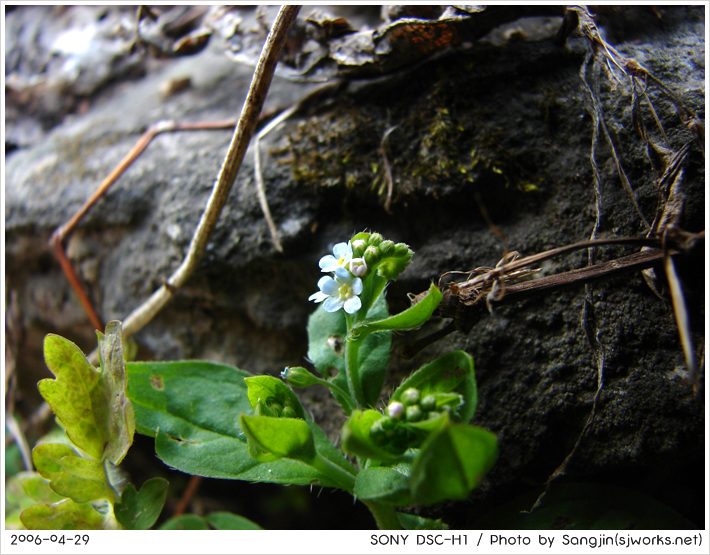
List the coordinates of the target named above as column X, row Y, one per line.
column 243, row 132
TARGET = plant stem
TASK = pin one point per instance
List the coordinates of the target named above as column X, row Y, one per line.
column 342, row 477
column 385, row 515
column 347, row 398
column 237, row 149
column 352, row 370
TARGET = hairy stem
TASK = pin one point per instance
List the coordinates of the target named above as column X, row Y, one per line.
column 385, row 515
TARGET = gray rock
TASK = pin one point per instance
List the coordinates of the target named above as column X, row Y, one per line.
column 503, row 125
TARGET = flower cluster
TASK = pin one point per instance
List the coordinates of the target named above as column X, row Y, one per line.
column 350, row 263
column 395, row 429
column 343, row 289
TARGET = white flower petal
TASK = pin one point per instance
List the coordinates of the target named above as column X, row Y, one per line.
column 352, row 305
column 356, row 286
column 333, row 304
column 328, row 263
column 328, row 286
column 318, row 297
column 343, row 250
column 342, row 275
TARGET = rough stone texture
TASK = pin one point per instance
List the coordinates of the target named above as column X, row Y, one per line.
column 502, row 125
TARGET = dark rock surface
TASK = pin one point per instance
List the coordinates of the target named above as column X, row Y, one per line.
column 503, row 125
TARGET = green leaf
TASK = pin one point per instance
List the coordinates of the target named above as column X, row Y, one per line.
column 65, row 515
column 272, row 438
column 268, row 388
column 186, row 522
column 326, row 336
column 192, row 409
column 411, row 318
column 70, row 475
column 218, row 521
column 383, row 484
column 451, row 463
column 228, row 521
column 414, row 522
column 121, row 422
column 76, row 396
column 23, row 490
column 138, row 510
column 357, row 440
column 90, row 404
column 38, row 489
column 452, row 372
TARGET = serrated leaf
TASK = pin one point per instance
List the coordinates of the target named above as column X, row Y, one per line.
column 451, row 463
column 76, row 395
column 390, row 267
column 408, row 319
column 452, row 372
column 70, row 475
column 65, row 515
column 38, row 489
column 383, row 484
column 90, row 404
column 121, row 423
column 23, row 490
column 192, row 409
column 138, row 510
column 273, row 438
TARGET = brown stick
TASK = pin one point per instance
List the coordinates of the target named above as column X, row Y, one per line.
column 243, row 132
column 57, row 238
column 637, row 260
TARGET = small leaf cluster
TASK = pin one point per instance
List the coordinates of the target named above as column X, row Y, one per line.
column 78, row 484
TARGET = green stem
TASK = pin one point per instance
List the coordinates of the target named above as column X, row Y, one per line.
column 352, row 370
column 340, row 476
column 352, row 366
column 385, row 515
column 347, row 398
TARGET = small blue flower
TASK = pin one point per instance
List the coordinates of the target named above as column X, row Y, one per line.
column 343, row 254
column 341, row 292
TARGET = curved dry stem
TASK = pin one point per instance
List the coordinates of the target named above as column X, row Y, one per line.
column 243, row 133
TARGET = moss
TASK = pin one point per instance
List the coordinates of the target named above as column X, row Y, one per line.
column 440, row 139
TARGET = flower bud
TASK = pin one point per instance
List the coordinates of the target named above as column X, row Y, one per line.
column 298, row 376
column 410, row 396
column 288, row 412
column 395, row 409
column 413, row 413
column 428, row 402
column 387, row 423
column 358, row 246
column 387, row 248
column 357, row 267
column 402, row 250
column 374, row 239
column 371, row 256
column 378, row 433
